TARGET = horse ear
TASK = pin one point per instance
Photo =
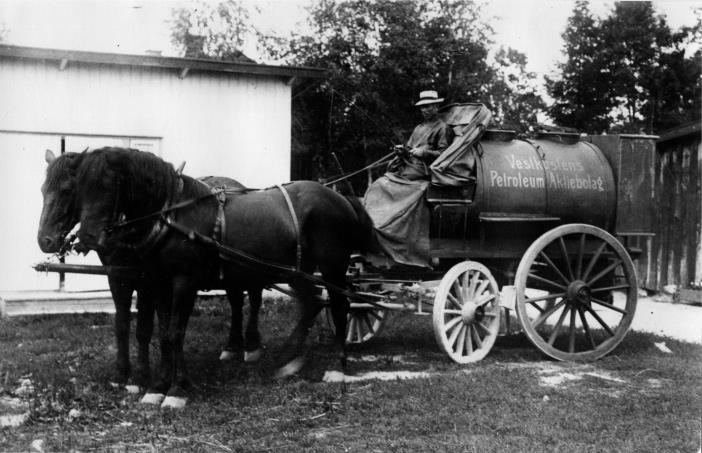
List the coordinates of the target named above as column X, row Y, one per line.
column 49, row 156
column 180, row 168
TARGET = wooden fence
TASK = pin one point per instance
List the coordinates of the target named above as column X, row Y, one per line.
column 674, row 255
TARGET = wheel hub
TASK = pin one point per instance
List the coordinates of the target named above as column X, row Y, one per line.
column 578, row 293
column 472, row 313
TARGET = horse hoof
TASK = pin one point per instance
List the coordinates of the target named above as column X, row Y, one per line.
column 289, row 369
column 174, row 402
column 153, row 398
column 226, row 356
column 253, row 356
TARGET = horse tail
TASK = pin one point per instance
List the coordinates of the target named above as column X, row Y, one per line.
column 364, row 234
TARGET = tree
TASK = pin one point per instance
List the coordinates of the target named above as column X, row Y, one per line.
column 212, row 30
column 673, row 85
column 379, row 55
column 513, row 92
column 626, row 73
column 636, row 39
column 581, row 91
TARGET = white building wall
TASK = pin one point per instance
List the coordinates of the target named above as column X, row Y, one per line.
column 235, row 125
column 230, row 125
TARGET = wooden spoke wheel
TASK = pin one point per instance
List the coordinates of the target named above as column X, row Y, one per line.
column 576, row 292
column 467, row 312
column 362, row 324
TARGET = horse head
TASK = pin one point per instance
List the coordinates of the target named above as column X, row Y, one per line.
column 59, row 211
column 118, row 184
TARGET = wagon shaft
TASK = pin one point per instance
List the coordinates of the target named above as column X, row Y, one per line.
column 122, row 271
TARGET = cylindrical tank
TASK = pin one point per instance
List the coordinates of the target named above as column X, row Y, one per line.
column 545, row 177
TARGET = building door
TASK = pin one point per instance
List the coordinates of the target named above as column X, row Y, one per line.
column 79, row 143
column 22, row 172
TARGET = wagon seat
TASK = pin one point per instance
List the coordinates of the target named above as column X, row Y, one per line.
column 453, row 179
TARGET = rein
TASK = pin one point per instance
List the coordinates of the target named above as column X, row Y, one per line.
column 237, row 255
column 241, row 257
column 174, row 207
column 338, row 178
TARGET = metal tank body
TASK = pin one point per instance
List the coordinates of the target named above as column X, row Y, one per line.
column 543, row 179
column 521, row 190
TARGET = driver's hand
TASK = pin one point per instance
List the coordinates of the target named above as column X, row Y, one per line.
column 417, row 152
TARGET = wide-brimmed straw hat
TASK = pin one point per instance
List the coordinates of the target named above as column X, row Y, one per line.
column 428, row 97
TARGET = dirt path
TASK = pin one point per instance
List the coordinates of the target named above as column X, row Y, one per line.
column 679, row 321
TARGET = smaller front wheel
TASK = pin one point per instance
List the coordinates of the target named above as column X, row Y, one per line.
column 467, row 310
column 362, row 324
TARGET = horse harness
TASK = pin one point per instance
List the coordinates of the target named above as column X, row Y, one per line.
column 220, row 226
column 166, row 221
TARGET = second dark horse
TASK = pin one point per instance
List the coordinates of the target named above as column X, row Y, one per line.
column 300, row 225
column 61, row 212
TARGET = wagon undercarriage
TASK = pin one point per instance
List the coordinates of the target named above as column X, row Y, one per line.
column 526, row 235
column 573, row 293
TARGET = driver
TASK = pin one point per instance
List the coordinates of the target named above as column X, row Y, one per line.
column 428, row 140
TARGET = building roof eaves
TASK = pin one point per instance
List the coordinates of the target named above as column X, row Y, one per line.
column 182, row 64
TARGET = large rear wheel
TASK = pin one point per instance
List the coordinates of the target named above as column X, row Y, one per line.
column 576, row 292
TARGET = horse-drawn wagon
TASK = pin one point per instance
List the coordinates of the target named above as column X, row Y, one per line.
column 531, row 227
column 537, row 216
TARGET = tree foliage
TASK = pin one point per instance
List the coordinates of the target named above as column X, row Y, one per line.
column 379, row 55
column 580, row 93
column 212, row 30
column 627, row 72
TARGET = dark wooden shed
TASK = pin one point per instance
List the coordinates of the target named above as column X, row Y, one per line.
column 674, row 255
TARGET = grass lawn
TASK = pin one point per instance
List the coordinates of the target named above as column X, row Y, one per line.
column 638, row 398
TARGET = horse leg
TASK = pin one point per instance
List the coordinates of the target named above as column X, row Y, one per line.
column 292, row 355
column 157, row 392
column 252, row 345
column 236, row 302
column 122, row 298
column 339, row 305
column 144, row 332
column 184, row 293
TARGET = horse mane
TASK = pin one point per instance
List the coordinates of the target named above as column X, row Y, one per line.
column 145, row 181
column 65, row 165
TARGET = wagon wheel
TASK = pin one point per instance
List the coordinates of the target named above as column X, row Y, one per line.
column 362, row 324
column 576, row 292
column 467, row 312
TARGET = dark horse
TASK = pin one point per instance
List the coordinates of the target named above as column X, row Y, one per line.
column 303, row 225
column 61, row 212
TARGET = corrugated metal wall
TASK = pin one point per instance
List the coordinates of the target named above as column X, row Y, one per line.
column 674, row 255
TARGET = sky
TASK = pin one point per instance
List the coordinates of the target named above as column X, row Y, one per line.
column 533, row 27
